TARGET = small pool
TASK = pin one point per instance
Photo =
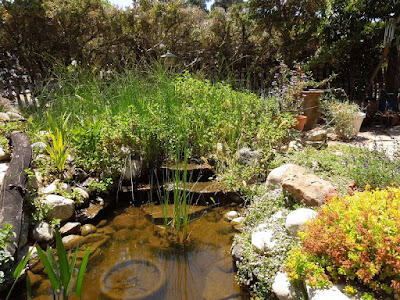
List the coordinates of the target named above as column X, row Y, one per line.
column 201, row 269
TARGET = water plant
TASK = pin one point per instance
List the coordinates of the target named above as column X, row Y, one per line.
column 353, row 239
column 57, row 147
column 18, row 271
column 60, row 273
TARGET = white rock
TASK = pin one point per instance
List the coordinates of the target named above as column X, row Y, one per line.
column 42, row 232
column 70, row 159
column 238, row 220
column 237, row 251
column 3, row 169
column 133, row 169
column 248, row 156
column 295, row 146
column 274, row 178
column 60, row 207
column 51, row 189
column 230, row 215
column 282, row 287
column 276, row 216
column 335, row 292
column 4, row 155
column 40, row 147
column 4, row 117
column 296, row 219
column 83, row 193
column 14, row 116
column 262, row 238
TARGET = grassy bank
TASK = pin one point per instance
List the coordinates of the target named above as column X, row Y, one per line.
column 148, row 114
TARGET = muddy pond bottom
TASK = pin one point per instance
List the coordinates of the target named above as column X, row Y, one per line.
column 132, row 258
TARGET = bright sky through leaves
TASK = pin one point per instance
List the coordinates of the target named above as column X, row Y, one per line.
column 124, row 3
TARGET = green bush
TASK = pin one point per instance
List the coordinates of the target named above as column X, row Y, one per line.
column 6, row 259
column 355, row 240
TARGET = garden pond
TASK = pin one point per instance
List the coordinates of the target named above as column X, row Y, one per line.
column 132, row 258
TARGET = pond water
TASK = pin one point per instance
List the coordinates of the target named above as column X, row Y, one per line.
column 202, row 269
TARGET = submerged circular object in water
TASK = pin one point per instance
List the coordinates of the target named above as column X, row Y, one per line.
column 131, row 280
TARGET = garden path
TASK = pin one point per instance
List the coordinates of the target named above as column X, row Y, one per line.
column 377, row 137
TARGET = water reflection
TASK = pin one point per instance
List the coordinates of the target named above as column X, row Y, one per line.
column 202, row 269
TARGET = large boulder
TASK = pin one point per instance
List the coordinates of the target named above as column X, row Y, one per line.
column 262, row 238
column 308, row 189
column 297, row 218
column 283, row 289
column 43, row 233
column 60, row 207
column 274, row 178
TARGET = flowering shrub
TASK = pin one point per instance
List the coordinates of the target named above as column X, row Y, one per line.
column 355, row 238
column 287, row 87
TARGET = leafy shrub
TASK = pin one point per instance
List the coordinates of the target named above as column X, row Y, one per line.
column 6, row 259
column 340, row 114
column 354, row 239
column 372, row 167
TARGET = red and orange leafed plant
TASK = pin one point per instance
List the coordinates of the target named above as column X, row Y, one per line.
column 354, row 239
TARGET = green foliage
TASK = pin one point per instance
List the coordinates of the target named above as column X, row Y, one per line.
column 18, row 271
column 6, row 259
column 353, row 239
column 148, row 112
column 345, row 164
column 61, row 271
column 258, row 270
column 57, row 147
column 340, row 115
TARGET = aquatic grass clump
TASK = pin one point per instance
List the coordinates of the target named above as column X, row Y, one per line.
column 354, row 239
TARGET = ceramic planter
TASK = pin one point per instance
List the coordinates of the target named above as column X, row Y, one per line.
column 357, row 121
column 312, row 107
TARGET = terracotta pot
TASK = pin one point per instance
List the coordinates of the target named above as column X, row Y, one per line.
column 312, row 107
column 301, row 121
